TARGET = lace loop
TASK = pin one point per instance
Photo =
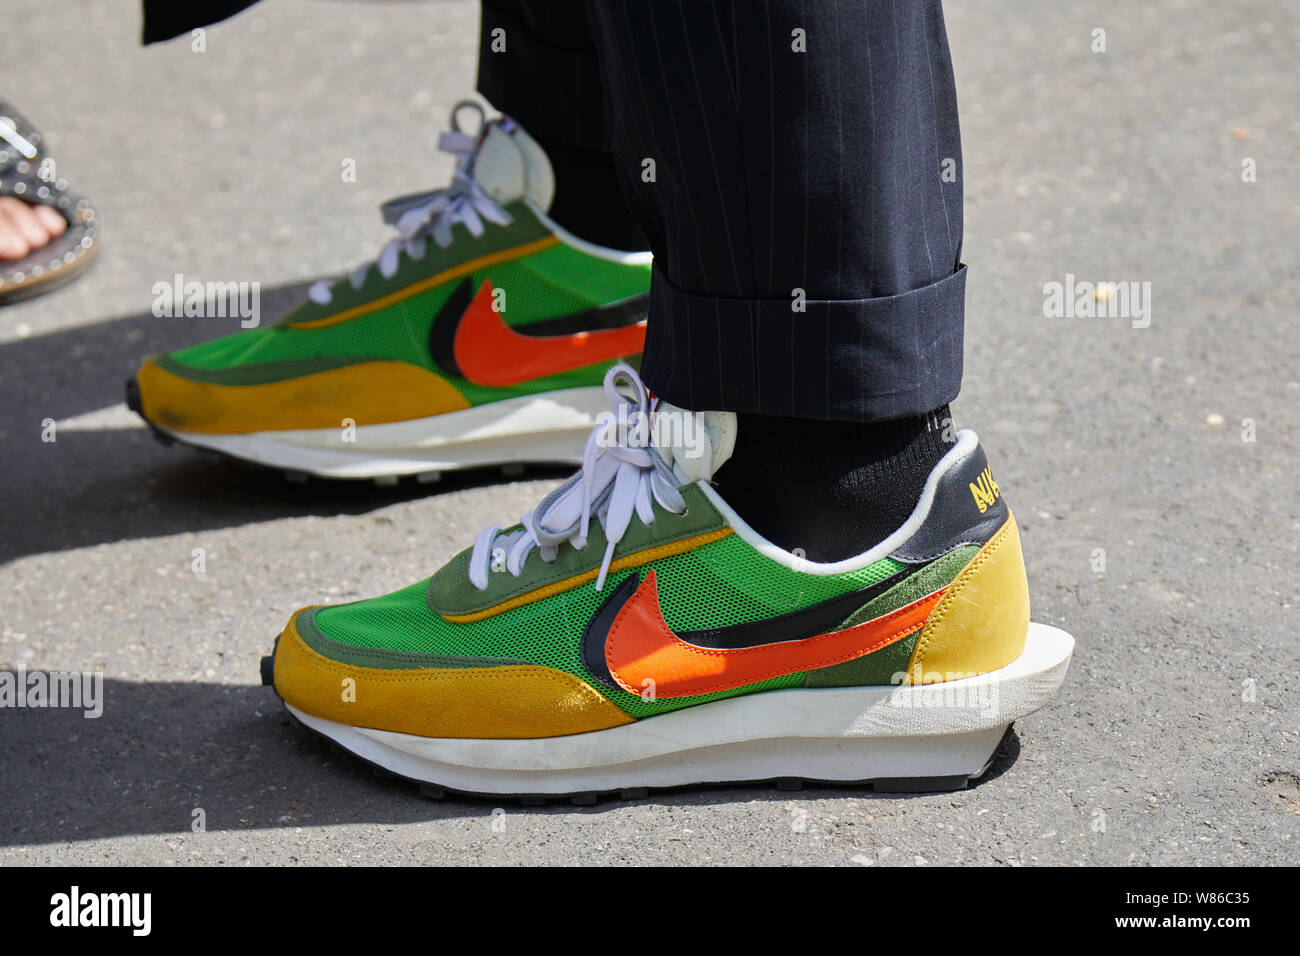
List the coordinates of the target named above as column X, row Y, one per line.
column 418, row 216
column 622, row 476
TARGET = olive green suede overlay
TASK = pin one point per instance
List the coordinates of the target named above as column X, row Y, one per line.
column 255, row 373
column 525, row 228
column 880, row 667
column 451, row 593
column 383, row 659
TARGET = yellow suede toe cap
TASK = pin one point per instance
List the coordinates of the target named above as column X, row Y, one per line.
column 368, row 393
column 514, row 701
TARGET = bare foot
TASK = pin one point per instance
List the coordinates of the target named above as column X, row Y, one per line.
column 25, row 227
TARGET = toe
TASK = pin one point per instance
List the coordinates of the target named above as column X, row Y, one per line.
column 53, row 223
column 22, row 221
column 14, row 243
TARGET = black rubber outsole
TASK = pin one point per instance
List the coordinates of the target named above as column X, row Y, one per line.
column 586, row 798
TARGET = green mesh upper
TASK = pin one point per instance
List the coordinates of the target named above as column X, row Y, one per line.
column 543, row 284
column 716, row 584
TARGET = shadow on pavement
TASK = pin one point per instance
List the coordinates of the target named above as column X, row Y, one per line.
column 101, row 485
column 161, row 750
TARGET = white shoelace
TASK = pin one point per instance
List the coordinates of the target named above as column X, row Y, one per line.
column 433, row 213
column 622, row 474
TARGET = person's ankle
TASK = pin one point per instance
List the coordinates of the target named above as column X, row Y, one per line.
column 831, row 490
column 589, row 201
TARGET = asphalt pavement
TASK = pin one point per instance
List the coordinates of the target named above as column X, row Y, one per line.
column 1151, row 458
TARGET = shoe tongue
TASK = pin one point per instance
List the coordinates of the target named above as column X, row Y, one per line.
column 510, row 165
column 694, row 444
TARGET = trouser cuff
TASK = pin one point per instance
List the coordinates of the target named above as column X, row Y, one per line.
column 841, row 359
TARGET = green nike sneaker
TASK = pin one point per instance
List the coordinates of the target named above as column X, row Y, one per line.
column 633, row 632
column 479, row 336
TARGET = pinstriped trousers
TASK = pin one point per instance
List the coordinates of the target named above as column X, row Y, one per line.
column 796, row 168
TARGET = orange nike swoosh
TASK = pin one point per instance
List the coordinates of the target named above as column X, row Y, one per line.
column 489, row 352
column 641, row 646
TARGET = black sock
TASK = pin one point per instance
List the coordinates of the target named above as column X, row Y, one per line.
column 832, row 489
column 588, row 199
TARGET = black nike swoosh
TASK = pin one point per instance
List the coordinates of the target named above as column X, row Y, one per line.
column 442, row 334
column 793, row 626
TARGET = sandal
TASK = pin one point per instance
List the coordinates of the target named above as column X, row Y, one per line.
column 25, row 174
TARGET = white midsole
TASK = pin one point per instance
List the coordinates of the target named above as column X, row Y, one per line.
column 547, row 427
column 834, row 734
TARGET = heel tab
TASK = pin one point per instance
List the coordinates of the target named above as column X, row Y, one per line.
column 981, row 622
column 965, row 504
